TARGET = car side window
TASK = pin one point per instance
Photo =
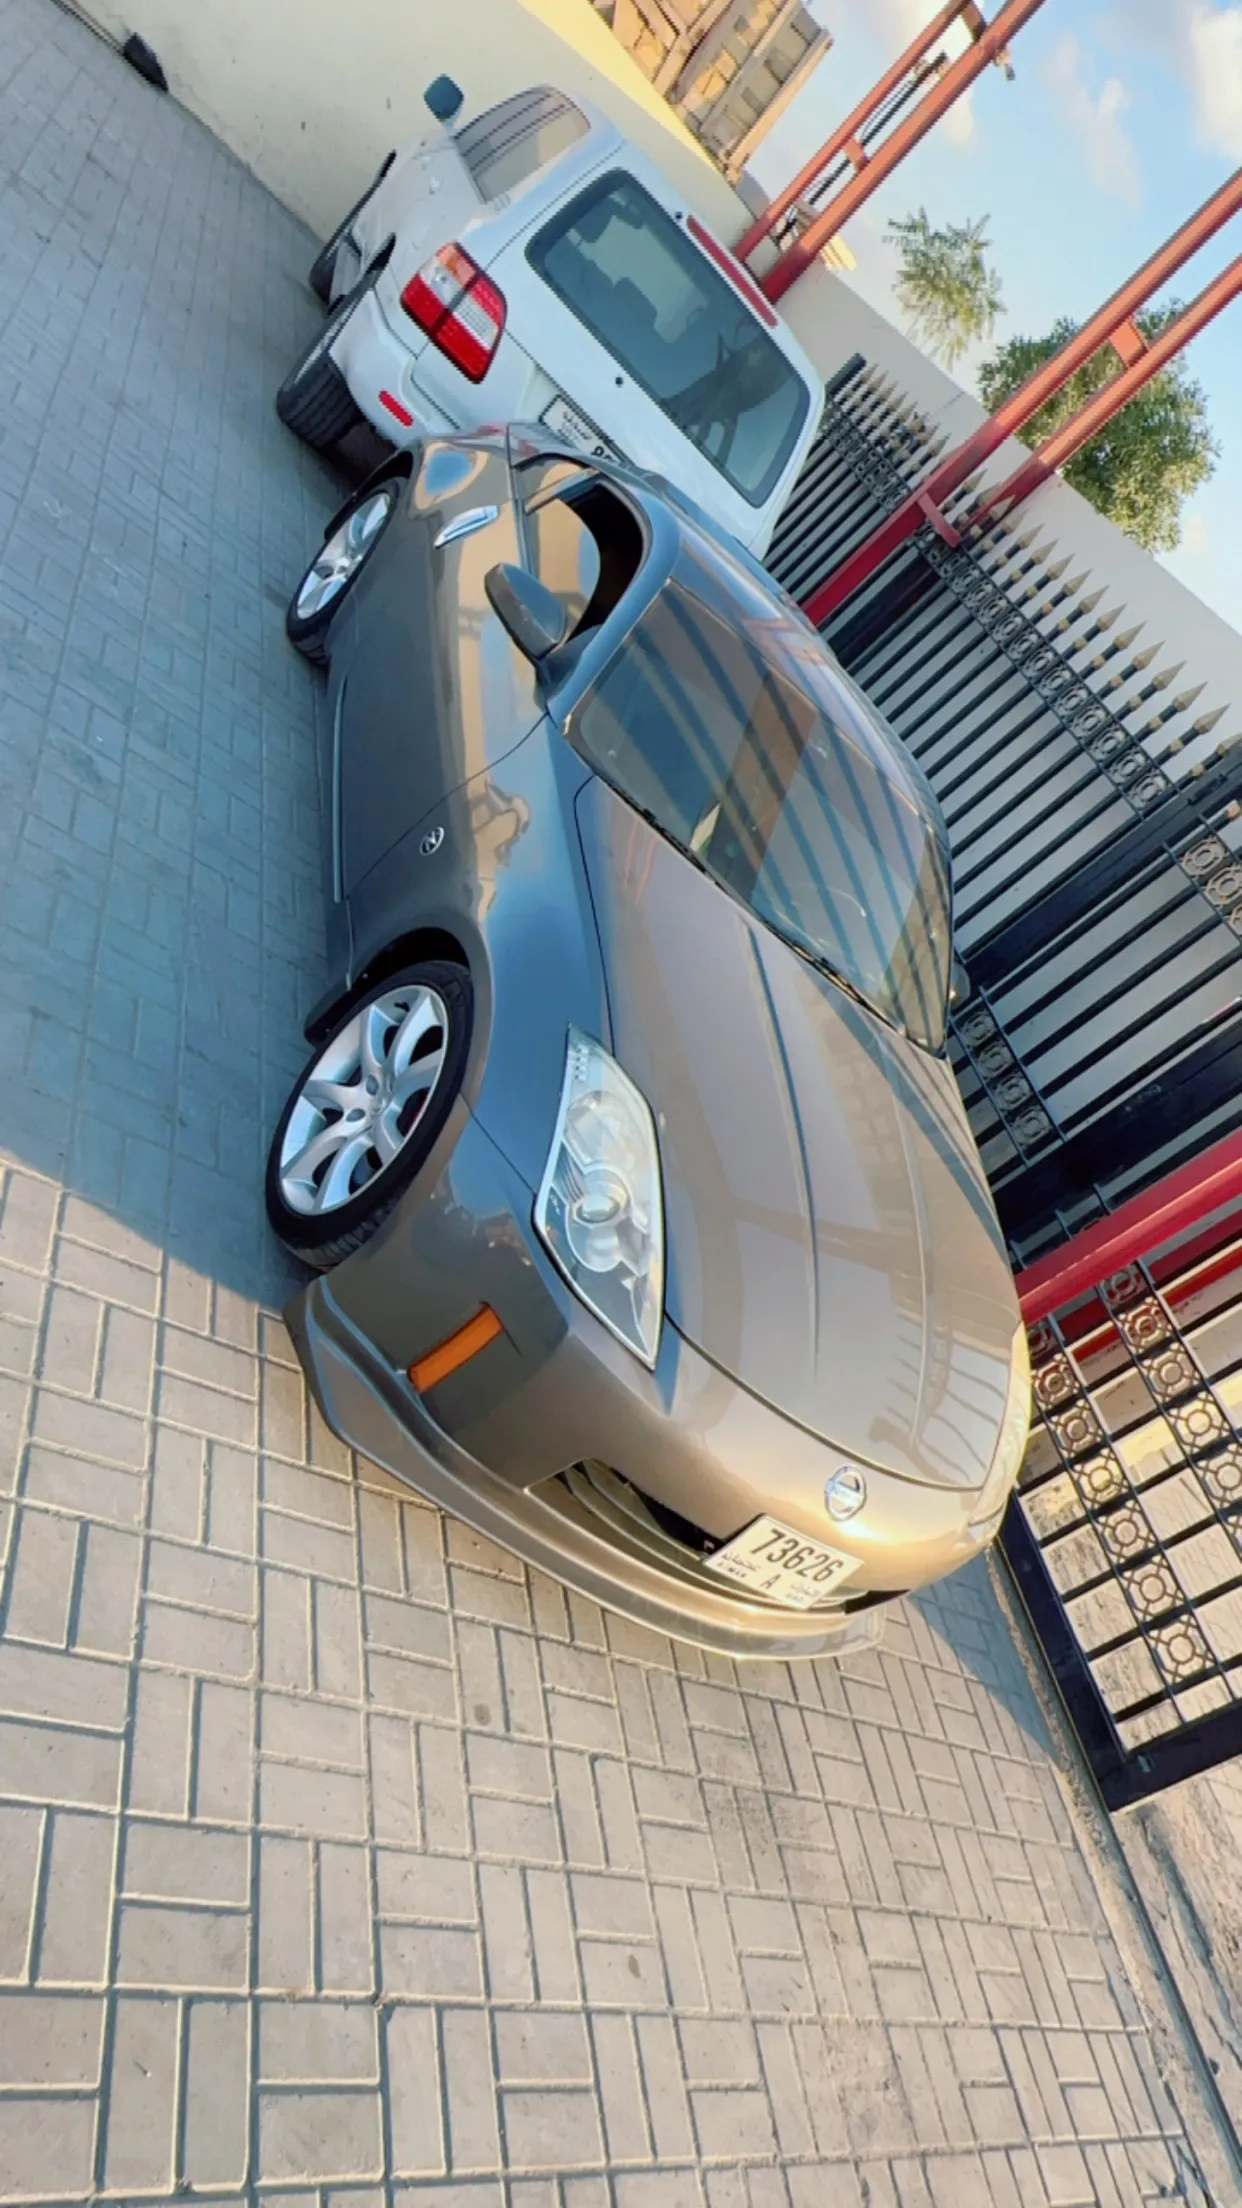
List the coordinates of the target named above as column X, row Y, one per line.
column 583, row 540
column 512, row 142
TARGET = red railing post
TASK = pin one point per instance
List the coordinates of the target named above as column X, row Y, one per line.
column 950, row 473
column 840, row 141
column 987, row 48
column 1110, row 399
column 1176, row 1203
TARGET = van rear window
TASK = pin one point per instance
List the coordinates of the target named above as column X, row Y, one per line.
column 513, row 141
column 622, row 265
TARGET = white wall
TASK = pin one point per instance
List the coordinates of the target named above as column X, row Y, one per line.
column 312, row 95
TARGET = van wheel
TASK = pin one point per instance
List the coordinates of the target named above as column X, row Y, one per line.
column 323, row 267
column 314, row 401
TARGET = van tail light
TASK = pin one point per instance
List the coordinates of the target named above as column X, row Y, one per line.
column 460, row 308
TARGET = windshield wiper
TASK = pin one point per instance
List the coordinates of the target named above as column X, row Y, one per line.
column 832, row 973
column 653, row 821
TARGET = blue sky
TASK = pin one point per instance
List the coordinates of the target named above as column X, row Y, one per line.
column 1121, row 121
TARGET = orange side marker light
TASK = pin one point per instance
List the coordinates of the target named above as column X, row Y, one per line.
column 459, row 1348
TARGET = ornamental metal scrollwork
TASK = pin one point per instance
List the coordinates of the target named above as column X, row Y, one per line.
column 1012, row 1090
column 1226, row 887
column 976, row 1028
column 997, row 1057
column 1041, row 1341
column 1144, row 1325
column 1181, row 1650
column 1107, row 745
column 1152, row 1588
column 1054, row 1382
column 1222, row 1476
column 1124, row 1532
column 1150, row 791
column 1204, row 857
column 1127, row 766
column 1170, row 1371
column 1102, row 1479
column 1061, row 679
column 1197, row 1424
column 1075, row 1430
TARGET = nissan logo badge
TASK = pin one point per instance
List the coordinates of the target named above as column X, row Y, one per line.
column 431, row 842
column 845, row 1493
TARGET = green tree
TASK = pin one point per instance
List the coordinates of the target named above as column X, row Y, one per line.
column 947, row 292
column 1141, row 467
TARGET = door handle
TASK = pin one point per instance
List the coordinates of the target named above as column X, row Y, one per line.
column 464, row 525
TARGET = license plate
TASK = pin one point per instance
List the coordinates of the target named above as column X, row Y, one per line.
column 773, row 1560
column 577, row 430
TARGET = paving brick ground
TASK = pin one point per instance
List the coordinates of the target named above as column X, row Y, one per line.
column 340, row 1859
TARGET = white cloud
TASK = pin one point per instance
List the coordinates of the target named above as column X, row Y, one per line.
column 1096, row 118
column 1202, row 40
column 959, row 123
column 1214, row 68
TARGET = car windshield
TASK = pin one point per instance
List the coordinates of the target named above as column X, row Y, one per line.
column 722, row 719
column 684, row 334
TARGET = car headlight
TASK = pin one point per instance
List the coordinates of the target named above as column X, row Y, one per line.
column 600, row 1209
column 990, row 1502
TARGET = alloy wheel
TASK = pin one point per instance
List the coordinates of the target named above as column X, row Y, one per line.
column 362, row 1098
column 341, row 556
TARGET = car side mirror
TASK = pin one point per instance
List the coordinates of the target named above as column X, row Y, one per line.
column 533, row 616
column 444, row 98
column 959, row 984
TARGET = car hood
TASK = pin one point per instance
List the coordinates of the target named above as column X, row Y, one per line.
column 831, row 1239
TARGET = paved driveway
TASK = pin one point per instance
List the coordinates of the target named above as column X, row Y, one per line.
column 340, row 1858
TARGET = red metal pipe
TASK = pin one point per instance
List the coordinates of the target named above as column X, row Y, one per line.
column 951, row 472
column 850, row 128
column 990, row 43
column 1138, row 1227
column 1109, row 400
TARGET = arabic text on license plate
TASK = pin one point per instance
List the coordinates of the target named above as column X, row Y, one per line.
column 577, row 430
column 773, row 1560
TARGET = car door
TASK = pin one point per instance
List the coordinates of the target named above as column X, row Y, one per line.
column 433, row 687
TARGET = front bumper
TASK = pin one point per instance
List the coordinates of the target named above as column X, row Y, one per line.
column 555, row 1391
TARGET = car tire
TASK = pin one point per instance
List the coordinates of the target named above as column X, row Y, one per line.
column 323, row 267
column 351, row 539
column 327, row 1193
column 314, row 401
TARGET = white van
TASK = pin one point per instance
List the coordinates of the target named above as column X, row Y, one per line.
column 535, row 265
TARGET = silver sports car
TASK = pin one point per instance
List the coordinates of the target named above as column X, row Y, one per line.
column 650, row 1235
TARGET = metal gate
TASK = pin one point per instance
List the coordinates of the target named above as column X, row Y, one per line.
column 1127, row 1536
column 1094, row 814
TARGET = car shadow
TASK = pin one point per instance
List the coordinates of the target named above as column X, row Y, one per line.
column 162, row 920
column 965, row 1637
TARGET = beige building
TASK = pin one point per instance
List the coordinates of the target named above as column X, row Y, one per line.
column 726, row 67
